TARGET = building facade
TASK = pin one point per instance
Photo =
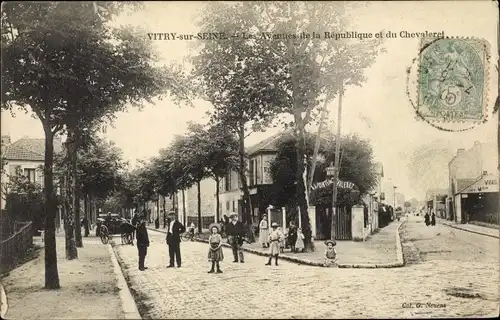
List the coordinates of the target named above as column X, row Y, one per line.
column 473, row 184
column 436, row 202
column 27, row 156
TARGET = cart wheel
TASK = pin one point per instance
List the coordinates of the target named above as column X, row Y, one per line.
column 129, row 238
column 104, row 235
column 185, row 236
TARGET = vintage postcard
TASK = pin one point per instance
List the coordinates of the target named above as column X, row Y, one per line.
column 249, row 160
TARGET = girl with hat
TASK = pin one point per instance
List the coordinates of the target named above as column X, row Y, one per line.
column 215, row 253
column 275, row 236
column 330, row 253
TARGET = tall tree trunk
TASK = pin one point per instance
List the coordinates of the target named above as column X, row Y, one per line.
column 316, row 148
column 242, row 168
column 301, row 188
column 184, row 206
column 164, row 212
column 51, row 271
column 86, row 211
column 217, row 198
column 71, row 251
column 198, row 186
column 75, row 189
column 333, row 233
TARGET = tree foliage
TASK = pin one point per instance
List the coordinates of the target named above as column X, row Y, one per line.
column 270, row 63
column 356, row 167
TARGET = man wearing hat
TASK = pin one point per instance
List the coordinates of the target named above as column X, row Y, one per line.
column 235, row 234
column 275, row 237
column 142, row 243
column 175, row 229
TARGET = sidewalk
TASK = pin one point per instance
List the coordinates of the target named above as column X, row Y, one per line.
column 380, row 250
column 485, row 231
column 88, row 286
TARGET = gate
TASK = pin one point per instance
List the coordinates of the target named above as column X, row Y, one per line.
column 343, row 227
column 342, row 223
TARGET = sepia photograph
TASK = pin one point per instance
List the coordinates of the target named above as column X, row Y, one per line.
column 250, row 160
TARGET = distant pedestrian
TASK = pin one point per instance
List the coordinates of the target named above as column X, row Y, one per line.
column 175, row 229
column 142, row 243
column 235, row 234
column 299, row 244
column 275, row 237
column 292, row 236
column 215, row 253
column 433, row 219
column 426, row 218
column 264, row 232
column 330, row 253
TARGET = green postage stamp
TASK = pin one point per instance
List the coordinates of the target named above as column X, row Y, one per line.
column 453, row 80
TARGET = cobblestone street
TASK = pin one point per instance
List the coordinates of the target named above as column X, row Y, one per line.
column 455, row 270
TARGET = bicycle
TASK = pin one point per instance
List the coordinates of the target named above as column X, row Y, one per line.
column 188, row 235
column 104, row 234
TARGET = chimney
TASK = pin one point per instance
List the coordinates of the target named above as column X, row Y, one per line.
column 460, row 151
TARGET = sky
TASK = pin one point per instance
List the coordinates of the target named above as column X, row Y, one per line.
column 379, row 110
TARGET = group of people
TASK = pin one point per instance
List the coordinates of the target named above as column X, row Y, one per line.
column 292, row 237
column 430, row 220
column 235, row 230
column 173, row 239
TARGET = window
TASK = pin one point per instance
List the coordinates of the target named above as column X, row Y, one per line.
column 30, row 174
column 227, row 206
column 250, row 172
column 257, row 171
column 234, row 206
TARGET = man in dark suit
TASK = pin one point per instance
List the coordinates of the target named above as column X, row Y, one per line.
column 235, row 234
column 142, row 243
column 175, row 229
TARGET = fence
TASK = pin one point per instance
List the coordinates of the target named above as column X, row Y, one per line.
column 17, row 244
column 205, row 221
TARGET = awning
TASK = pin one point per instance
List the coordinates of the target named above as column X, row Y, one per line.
column 487, row 183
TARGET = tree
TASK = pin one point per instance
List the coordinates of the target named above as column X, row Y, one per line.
column 52, row 46
column 407, row 205
column 356, row 168
column 301, row 71
column 235, row 78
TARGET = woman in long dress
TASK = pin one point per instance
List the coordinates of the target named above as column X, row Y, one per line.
column 299, row 244
column 292, row 236
column 264, row 232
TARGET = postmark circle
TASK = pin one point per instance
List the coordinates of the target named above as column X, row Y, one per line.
column 449, row 83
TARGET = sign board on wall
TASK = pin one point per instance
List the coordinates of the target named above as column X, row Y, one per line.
column 488, row 183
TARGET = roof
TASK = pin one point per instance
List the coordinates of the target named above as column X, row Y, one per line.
column 268, row 144
column 28, row 149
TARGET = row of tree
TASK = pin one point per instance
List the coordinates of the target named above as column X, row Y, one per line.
column 65, row 63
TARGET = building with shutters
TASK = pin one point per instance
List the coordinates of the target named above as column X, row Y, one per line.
column 26, row 155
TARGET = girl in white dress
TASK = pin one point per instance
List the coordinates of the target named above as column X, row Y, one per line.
column 274, row 239
column 299, row 244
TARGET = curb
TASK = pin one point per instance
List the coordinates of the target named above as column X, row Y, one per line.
column 471, row 231
column 128, row 303
column 4, row 306
column 399, row 252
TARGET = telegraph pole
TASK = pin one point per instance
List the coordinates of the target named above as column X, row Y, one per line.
column 333, row 232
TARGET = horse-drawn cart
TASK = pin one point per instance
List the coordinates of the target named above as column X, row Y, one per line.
column 112, row 224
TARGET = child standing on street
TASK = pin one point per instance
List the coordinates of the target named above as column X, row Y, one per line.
column 330, row 253
column 299, row 244
column 275, row 237
column 215, row 253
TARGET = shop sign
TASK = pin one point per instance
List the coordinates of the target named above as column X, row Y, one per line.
column 486, row 184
